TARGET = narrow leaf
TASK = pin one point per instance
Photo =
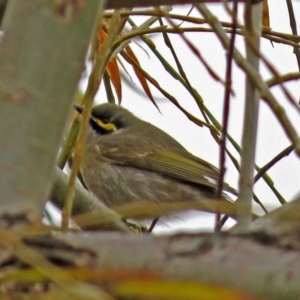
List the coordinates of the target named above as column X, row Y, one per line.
column 265, row 14
column 113, row 70
column 139, row 74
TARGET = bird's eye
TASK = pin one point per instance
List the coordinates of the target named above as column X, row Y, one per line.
column 105, row 121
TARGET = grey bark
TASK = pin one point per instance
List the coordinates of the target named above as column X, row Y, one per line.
column 253, row 264
column 283, row 222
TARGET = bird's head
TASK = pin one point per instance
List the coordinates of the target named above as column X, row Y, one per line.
column 107, row 118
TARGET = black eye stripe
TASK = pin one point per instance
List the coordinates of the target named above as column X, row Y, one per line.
column 101, row 127
column 97, row 128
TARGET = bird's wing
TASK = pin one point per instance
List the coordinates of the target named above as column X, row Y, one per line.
column 177, row 164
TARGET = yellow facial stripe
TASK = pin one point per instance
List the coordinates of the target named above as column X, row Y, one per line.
column 106, row 126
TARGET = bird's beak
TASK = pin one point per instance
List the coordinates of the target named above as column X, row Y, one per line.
column 78, row 108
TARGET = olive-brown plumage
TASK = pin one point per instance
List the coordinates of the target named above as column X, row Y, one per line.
column 128, row 160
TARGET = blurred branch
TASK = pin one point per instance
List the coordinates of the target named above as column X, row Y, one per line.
column 38, row 81
column 283, row 78
column 192, row 258
column 42, row 254
column 253, row 15
column 3, row 4
column 116, row 4
column 282, row 222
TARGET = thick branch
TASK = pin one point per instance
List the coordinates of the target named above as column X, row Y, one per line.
column 138, row 3
column 255, row 265
column 115, row 4
column 283, row 222
column 42, row 56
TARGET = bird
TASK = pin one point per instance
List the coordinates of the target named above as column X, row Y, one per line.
column 127, row 160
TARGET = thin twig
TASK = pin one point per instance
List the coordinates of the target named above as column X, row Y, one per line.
column 257, row 80
column 154, row 222
column 69, row 143
column 226, row 109
column 283, row 78
column 294, row 28
column 272, row 162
